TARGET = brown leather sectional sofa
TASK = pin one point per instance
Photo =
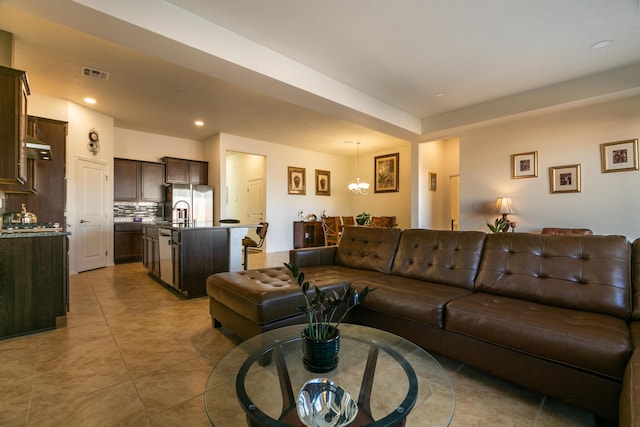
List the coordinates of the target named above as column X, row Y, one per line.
column 556, row 314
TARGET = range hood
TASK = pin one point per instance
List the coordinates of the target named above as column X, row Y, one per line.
column 37, row 149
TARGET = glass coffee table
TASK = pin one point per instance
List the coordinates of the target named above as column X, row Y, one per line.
column 395, row 382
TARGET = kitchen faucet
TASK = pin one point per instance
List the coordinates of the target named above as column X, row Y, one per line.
column 181, row 219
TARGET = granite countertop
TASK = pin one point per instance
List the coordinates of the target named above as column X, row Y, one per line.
column 200, row 225
column 34, row 234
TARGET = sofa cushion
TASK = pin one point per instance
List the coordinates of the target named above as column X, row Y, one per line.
column 593, row 342
column 635, row 278
column 447, row 257
column 589, row 273
column 403, row 298
column 368, row 248
column 269, row 294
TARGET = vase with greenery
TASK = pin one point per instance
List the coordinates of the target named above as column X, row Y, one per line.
column 321, row 336
column 363, row 218
column 499, row 225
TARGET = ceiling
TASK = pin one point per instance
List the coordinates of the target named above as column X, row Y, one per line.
column 314, row 74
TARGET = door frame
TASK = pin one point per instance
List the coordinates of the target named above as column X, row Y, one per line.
column 107, row 203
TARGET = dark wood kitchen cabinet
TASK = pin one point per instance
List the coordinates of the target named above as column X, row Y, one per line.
column 46, row 192
column 33, row 284
column 127, row 242
column 151, row 250
column 137, row 181
column 183, row 171
column 126, row 176
column 14, row 90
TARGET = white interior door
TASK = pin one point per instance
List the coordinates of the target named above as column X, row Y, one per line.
column 454, row 201
column 256, row 204
column 91, row 219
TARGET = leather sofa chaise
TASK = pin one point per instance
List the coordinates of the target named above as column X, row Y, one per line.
column 552, row 313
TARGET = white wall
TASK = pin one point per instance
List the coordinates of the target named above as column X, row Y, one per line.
column 608, row 204
column 131, row 144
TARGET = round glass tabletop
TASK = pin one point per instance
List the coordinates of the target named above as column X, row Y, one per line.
column 390, row 377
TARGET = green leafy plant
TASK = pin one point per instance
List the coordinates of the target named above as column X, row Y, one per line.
column 321, row 309
column 499, row 225
column 363, row 218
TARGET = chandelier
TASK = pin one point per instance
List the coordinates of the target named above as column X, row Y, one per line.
column 358, row 188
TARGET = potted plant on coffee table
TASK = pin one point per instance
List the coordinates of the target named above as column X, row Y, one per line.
column 321, row 336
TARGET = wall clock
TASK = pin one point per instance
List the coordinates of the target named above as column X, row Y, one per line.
column 94, row 142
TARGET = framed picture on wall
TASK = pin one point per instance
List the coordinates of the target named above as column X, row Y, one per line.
column 619, row 156
column 565, row 179
column 296, row 179
column 387, row 173
column 323, row 183
column 524, row 165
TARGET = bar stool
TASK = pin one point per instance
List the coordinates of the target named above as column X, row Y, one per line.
column 248, row 242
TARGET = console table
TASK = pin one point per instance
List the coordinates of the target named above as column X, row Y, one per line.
column 395, row 382
column 307, row 234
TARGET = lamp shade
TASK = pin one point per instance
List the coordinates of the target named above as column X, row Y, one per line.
column 504, row 206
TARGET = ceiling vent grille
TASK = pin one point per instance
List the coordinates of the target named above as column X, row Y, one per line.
column 96, row 74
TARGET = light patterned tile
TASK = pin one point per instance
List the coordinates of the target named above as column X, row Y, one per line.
column 65, row 374
column 118, row 405
column 173, row 385
column 191, row 413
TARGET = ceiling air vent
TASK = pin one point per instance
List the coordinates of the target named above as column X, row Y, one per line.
column 96, row 74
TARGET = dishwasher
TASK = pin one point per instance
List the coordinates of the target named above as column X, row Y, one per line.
column 166, row 258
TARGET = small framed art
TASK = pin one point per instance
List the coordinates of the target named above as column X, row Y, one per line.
column 565, row 179
column 524, row 165
column 296, row 179
column 432, row 181
column 323, row 183
column 387, row 173
column 619, row 156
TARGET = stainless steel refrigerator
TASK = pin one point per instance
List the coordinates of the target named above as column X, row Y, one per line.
column 189, row 205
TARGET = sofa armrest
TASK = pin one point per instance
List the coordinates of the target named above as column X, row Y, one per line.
column 311, row 257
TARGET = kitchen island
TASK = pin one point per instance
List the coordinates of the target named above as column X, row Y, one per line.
column 34, row 282
column 183, row 257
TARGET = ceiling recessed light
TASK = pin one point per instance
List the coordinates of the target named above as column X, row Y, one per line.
column 601, row 44
column 90, row 100
column 439, row 94
column 199, row 123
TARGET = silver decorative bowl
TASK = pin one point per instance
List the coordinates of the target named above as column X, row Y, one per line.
column 323, row 403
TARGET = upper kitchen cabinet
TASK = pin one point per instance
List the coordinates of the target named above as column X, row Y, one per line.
column 137, row 181
column 45, row 191
column 183, row 171
column 14, row 90
column 151, row 182
column 125, row 181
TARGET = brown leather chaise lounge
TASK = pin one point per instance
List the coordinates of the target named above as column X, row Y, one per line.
column 548, row 312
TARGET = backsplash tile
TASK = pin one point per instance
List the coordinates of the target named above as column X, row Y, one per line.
column 127, row 211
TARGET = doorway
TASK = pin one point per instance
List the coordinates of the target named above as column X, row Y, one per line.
column 246, row 189
column 454, row 201
column 91, row 219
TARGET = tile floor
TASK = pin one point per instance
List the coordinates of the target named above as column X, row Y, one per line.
column 135, row 354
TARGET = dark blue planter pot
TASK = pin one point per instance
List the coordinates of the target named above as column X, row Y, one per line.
column 320, row 356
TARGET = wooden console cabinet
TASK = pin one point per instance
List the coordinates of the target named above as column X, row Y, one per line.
column 307, row 234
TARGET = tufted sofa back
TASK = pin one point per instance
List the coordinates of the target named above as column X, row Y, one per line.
column 590, row 273
column 368, row 248
column 448, row 257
